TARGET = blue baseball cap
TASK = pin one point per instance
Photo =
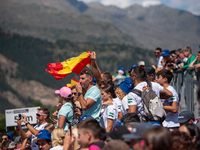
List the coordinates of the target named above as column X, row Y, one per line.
column 126, row 85
column 165, row 52
column 121, row 70
column 10, row 135
column 133, row 66
column 43, row 135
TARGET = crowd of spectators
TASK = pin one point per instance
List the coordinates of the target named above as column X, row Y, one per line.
column 114, row 114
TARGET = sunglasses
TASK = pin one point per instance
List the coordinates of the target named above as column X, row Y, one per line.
column 156, row 52
column 86, row 72
column 5, row 139
column 74, row 93
column 38, row 115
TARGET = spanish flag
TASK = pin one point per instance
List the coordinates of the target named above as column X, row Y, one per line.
column 73, row 82
column 74, row 64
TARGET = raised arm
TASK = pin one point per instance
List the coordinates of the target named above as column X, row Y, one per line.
column 95, row 68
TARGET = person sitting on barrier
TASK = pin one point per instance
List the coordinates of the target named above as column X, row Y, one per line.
column 170, row 105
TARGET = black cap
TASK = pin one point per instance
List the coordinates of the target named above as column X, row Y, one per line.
column 149, row 70
column 117, row 132
column 185, row 116
column 139, row 129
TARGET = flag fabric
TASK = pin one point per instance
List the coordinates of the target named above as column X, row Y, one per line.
column 74, row 64
column 73, row 82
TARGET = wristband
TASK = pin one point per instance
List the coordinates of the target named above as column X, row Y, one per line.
column 27, row 123
column 79, row 93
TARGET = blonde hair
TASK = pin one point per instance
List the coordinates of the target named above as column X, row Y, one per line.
column 57, row 137
column 120, row 93
column 50, row 127
column 75, row 133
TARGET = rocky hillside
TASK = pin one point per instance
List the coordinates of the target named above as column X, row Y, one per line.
column 75, row 21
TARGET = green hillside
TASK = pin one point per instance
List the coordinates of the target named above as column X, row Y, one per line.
column 33, row 54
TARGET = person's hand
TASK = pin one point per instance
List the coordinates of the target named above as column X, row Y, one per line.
column 68, row 140
column 93, row 56
column 78, row 112
column 197, row 65
column 19, row 122
column 54, row 121
column 58, row 106
column 55, row 113
column 79, row 87
column 24, row 118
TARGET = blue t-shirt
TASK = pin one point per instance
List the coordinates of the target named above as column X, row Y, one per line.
column 95, row 94
column 66, row 110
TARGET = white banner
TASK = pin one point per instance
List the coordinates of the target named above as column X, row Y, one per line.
column 12, row 116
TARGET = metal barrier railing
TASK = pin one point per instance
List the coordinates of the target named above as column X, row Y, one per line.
column 183, row 82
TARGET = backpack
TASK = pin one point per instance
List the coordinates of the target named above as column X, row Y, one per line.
column 153, row 107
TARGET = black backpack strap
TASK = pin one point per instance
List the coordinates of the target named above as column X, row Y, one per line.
column 137, row 92
column 149, row 85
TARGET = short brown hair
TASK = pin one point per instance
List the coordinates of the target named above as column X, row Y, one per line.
column 92, row 125
column 88, row 73
column 187, row 48
column 45, row 111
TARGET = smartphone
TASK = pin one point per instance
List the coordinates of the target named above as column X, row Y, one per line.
column 51, row 119
column 20, row 116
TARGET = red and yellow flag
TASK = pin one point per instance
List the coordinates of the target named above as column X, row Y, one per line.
column 73, row 82
column 74, row 64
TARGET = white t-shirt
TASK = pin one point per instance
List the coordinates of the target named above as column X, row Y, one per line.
column 118, row 104
column 134, row 99
column 37, row 127
column 57, row 148
column 124, row 105
column 159, row 61
column 170, row 116
column 108, row 112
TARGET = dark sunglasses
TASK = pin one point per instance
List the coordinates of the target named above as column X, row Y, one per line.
column 5, row 139
column 74, row 93
column 38, row 115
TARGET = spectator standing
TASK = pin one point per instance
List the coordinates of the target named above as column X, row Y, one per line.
column 65, row 114
column 42, row 116
column 187, row 51
column 89, row 132
column 91, row 101
column 57, row 138
column 170, row 105
column 150, row 73
column 134, row 101
column 44, row 140
column 121, row 75
column 109, row 113
column 166, row 56
column 158, row 53
column 158, row 139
